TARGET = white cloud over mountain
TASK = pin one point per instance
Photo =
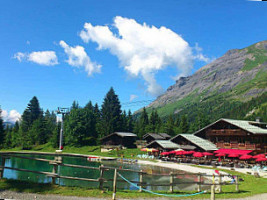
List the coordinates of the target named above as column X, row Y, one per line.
column 133, row 97
column 12, row 116
column 143, row 50
column 47, row 58
column 77, row 57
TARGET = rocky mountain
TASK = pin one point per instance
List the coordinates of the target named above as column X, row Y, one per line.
column 227, row 82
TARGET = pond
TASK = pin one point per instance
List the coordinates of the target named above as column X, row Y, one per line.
column 94, row 174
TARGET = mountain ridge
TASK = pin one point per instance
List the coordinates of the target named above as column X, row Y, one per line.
column 237, row 76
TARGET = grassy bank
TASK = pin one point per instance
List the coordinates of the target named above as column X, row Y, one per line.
column 87, row 150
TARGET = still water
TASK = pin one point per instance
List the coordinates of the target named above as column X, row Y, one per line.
column 93, row 174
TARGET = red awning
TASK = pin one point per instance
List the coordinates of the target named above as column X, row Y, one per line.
column 165, row 153
column 198, row 154
column 245, row 157
column 180, row 153
column 233, row 155
column 233, row 151
column 259, row 156
column 261, row 159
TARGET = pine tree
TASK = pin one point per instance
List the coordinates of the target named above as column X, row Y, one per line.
column 97, row 116
column 32, row 113
column 15, row 137
column 184, row 126
column 90, row 120
column 142, row 123
column 130, row 123
column 75, row 128
column 169, row 126
column 124, row 122
column 1, row 129
column 111, row 113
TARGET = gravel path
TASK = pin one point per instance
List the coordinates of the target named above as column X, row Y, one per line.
column 30, row 196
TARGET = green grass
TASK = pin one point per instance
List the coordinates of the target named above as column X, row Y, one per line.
column 250, row 186
column 260, row 56
column 87, row 150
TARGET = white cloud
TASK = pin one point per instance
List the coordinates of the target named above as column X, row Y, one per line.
column 20, row 56
column 200, row 56
column 141, row 49
column 77, row 57
column 43, row 57
column 133, row 96
column 12, row 116
column 48, row 58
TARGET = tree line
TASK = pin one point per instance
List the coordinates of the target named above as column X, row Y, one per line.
column 86, row 125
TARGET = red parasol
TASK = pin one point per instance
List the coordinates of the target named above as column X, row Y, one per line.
column 180, row 153
column 152, row 150
column 198, row 154
column 233, row 155
column 261, row 159
column 164, row 153
column 245, row 157
column 259, row 156
column 207, row 154
column 190, row 152
column 220, row 154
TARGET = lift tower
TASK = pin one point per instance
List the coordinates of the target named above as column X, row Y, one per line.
column 63, row 112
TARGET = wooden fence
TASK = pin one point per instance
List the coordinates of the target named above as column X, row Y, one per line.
column 101, row 180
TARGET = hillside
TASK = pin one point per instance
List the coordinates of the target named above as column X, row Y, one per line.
column 234, row 85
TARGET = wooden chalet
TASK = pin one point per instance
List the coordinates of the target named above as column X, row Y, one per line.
column 149, row 137
column 120, row 139
column 236, row 134
column 192, row 142
column 163, row 145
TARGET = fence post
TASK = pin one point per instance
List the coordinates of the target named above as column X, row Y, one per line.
column 2, row 167
column 199, row 183
column 140, row 180
column 212, row 192
column 220, row 183
column 236, row 184
column 101, row 177
column 171, row 182
column 114, row 184
column 54, row 171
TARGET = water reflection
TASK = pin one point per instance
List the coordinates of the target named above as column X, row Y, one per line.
column 94, row 174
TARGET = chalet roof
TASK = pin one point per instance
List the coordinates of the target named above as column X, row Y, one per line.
column 165, row 135
column 121, row 134
column 187, row 147
column 248, row 126
column 125, row 134
column 165, row 144
column 157, row 136
column 243, row 124
column 200, row 142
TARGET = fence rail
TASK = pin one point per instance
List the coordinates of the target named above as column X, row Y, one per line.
column 58, row 162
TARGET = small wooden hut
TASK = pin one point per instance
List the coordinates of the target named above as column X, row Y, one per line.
column 149, row 137
column 119, row 139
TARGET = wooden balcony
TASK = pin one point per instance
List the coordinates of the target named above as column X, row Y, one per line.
column 243, row 146
column 226, row 132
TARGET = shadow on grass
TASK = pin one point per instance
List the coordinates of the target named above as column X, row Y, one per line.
column 24, row 186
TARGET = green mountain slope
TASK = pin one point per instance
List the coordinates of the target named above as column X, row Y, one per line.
column 233, row 86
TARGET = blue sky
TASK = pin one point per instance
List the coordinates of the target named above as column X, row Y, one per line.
column 44, row 54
